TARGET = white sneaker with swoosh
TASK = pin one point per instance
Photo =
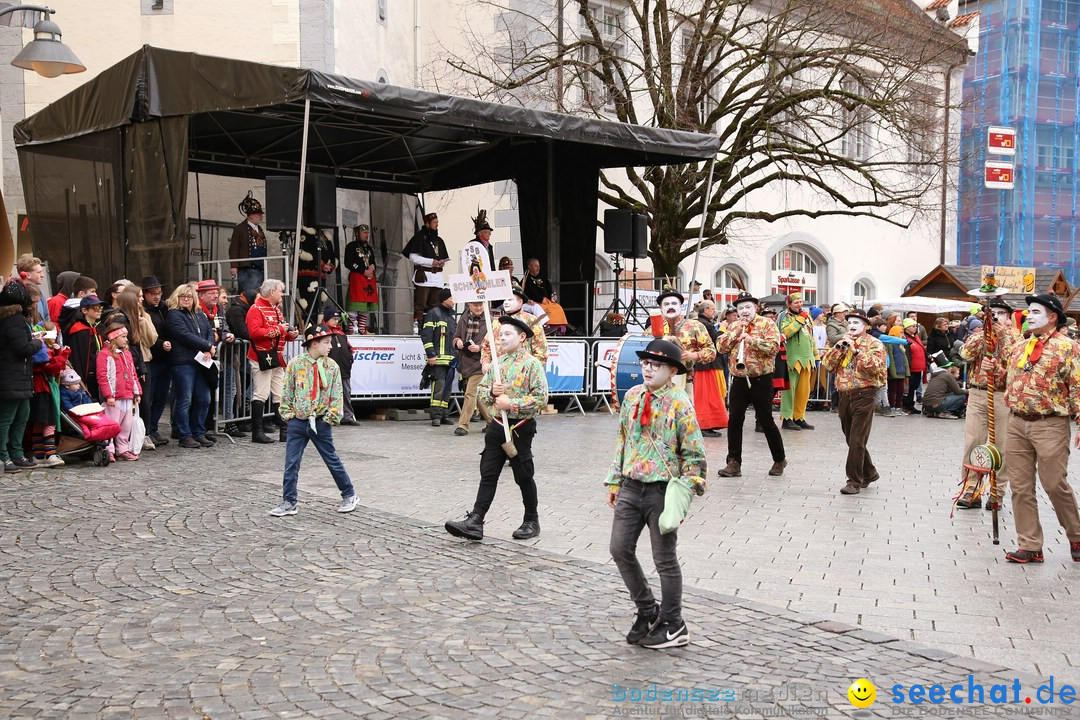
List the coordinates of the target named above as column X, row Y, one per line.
column 667, row 635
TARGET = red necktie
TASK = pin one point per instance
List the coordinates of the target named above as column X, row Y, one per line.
column 646, row 409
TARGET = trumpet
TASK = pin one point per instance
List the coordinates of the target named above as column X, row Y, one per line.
column 740, row 358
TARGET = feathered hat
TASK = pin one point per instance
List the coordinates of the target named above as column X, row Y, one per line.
column 480, row 221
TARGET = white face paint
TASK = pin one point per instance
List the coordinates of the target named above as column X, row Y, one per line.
column 512, row 305
column 670, row 307
column 1037, row 318
column 1001, row 316
column 746, row 310
column 657, row 376
column 856, row 326
column 510, row 338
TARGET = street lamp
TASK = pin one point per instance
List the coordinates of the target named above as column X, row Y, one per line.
column 45, row 54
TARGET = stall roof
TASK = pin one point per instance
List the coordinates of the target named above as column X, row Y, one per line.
column 954, row 281
column 246, row 120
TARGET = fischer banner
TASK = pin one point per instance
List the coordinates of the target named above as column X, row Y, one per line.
column 387, row 366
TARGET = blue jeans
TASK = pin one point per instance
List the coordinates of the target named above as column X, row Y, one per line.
column 160, row 380
column 951, row 404
column 297, row 436
column 191, row 400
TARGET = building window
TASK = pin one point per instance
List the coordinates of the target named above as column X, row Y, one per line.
column 728, row 283
column 855, row 142
column 794, row 269
column 862, row 292
column 594, row 93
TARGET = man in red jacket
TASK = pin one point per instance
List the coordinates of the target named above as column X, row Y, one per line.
column 269, row 333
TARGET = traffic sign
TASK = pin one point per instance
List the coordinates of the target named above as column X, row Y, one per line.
column 1001, row 141
column 1000, row 175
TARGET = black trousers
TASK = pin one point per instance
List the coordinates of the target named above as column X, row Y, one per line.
column 758, row 393
column 492, row 460
column 441, row 386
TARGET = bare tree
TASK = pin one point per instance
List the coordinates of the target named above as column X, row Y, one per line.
column 836, row 106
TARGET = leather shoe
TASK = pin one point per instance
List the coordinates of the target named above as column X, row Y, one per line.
column 446, row 421
column 350, row 421
column 804, row 425
column 528, row 529
column 852, row 488
column 733, row 469
column 777, row 468
column 190, row 442
column 471, row 528
column 710, row 433
column 460, row 431
column 789, row 425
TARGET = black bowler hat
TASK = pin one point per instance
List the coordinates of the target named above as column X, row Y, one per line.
column 857, row 313
column 664, row 351
column 150, row 282
column 516, row 289
column 1000, row 304
column 518, row 323
column 670, row 293
column 316, row 332
column 745, row 297
column 1052, row 303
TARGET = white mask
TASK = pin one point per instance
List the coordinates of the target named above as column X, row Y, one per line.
column 512, row 305
column 509, row 338
column 658, row 377
column 1037, row 317
column 746, row 310
column 1000, row 315
column 670, row 307
column 856, row 326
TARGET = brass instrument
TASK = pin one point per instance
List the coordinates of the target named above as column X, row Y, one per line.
column 740, row 358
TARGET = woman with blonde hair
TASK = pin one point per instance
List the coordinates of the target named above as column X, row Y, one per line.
column 192, row 337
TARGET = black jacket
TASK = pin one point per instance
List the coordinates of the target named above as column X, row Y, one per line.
column 190, row 333
column 85, row 342
column 341, row 352
column 939, row 341
column 157, row 315
column 16, row 349
column 236, row 314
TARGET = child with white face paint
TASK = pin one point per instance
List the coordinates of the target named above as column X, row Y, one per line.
column 659, row 463
column 858, row 362
column 537, row 341
column 695, row 341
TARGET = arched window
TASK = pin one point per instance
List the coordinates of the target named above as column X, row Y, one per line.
column 794, row 269
column 862, row 292
column 728, row 282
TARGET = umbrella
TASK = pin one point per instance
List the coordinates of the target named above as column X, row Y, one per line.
column 924, row 304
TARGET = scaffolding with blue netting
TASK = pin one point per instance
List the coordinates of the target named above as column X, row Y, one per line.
column 1024, row 76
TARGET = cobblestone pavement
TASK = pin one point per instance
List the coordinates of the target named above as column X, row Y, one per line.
column 163, row 589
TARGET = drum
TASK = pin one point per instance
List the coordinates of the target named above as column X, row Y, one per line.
column 626, row 368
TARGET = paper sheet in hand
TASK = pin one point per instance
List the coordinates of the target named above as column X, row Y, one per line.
column 207, row 362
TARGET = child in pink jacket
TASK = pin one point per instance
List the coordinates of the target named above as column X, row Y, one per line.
column 119, row 386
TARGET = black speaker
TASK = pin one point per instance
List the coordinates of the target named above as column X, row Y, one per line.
column 281, row 192
column 320, row 200
column 618, row 233
column 641, row 237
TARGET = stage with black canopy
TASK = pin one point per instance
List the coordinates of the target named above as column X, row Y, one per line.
column 105, row 168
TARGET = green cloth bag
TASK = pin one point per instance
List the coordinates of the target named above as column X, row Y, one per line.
column 676, row 504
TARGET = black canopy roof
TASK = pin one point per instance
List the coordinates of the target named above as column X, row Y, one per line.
column 105, row 168
column 246, row 120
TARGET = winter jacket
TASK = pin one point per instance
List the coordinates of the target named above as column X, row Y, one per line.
column 941, row 385
column 16, row 348
column 267, row 328
column 157, row 315
column 440, row 323
column 116, row 374
column 470, row 363
column 85, row 343
column 190, row 333
column 939, row 341
column 916, row 354
column 834, row 330
column 341, row 352
column 73, row 398
column 236, row 314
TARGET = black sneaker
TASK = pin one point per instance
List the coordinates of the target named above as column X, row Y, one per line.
column 667, row 635
column 643, row 625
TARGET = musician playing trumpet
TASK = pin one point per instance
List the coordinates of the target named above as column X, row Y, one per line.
column 753, row 341
column 858, row 362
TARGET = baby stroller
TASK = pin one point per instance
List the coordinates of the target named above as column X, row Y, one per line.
column 85, row 431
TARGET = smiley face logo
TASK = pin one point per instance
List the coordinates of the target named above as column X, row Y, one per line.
column 862, row 693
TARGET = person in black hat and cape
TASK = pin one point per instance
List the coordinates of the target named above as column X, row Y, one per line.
column 427, row 252
column 659, row 465
column 521, row 395
column 363, row 287
column 311, row 404
column 477, row 255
